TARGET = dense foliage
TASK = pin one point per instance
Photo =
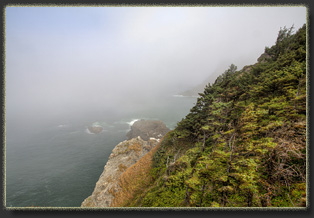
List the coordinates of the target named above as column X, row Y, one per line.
column 243, row 144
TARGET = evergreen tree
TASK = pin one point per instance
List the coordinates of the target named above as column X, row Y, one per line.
column 243, row 144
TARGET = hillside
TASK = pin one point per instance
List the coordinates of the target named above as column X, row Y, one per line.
column 242, row 145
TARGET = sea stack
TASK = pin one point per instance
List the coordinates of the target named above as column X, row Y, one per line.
column 147, row 129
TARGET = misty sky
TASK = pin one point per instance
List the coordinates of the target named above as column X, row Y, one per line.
column 69, row 58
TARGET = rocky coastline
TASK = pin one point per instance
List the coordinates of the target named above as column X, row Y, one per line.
column 123, row 156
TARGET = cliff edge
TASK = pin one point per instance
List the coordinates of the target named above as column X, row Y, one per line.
column 123, row 156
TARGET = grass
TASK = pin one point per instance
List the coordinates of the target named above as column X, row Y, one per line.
column 135, row 179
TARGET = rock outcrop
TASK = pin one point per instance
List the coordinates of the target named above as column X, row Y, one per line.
column 124, row 155
column 142, row 138
column 95, row 129
column 147, row 129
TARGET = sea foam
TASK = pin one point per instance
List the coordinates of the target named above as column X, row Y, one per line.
column 132, row 122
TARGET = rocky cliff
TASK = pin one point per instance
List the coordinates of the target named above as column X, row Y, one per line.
column 124, row 155
column 108, row 188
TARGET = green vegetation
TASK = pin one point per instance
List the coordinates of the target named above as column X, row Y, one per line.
column 243, row 144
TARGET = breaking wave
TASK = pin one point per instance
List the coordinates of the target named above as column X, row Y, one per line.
column 132, row 122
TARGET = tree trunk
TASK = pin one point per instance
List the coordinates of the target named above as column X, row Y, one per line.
column 186, row 198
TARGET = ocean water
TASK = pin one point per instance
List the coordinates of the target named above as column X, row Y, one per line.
column 57, row 163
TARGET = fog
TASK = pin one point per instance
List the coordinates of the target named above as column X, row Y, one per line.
column 73, row 60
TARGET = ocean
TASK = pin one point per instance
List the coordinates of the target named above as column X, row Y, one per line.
column 57, row 163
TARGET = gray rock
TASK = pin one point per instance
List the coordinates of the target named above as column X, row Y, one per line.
column 147, row 129
column 124, row 155
column 95, row 129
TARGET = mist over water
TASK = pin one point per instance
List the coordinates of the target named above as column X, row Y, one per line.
column 57, row 162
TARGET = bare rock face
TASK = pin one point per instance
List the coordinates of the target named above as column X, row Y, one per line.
column 124, row 155
column 147, row 129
